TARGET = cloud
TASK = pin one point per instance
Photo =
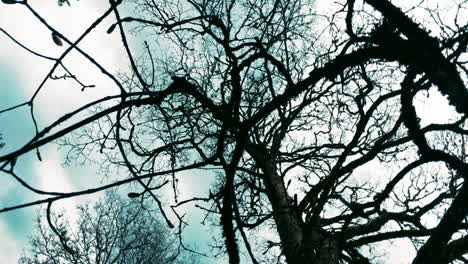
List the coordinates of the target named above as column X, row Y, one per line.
column 52, row 176
column 433, row 107
column 10, row 248
column 58, row 97
column 55, row 98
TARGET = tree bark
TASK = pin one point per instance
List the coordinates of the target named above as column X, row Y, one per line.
column 300, row 245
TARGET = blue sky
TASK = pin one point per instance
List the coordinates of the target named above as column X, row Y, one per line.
column 20, row 74
column 15, row 128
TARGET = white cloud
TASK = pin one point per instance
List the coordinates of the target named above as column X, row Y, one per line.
column 52, row 176
column 433, row 107
column 10, row 250
column 56, row 97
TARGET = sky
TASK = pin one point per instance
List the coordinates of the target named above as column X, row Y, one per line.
column 20, row 74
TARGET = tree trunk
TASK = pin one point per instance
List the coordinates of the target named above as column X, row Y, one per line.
column 299, row 246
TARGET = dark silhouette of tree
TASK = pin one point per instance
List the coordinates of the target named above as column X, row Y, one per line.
column 309, row 120
column 2, row 144
column 112, row 231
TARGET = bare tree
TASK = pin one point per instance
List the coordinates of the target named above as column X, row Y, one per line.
column 309, row 120
column 112, row 231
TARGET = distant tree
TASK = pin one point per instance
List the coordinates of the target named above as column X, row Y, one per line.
column 313, row 123
column 112, row 231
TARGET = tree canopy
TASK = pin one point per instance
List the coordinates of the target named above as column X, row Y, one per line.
column 311, row 118
column 111, row 231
